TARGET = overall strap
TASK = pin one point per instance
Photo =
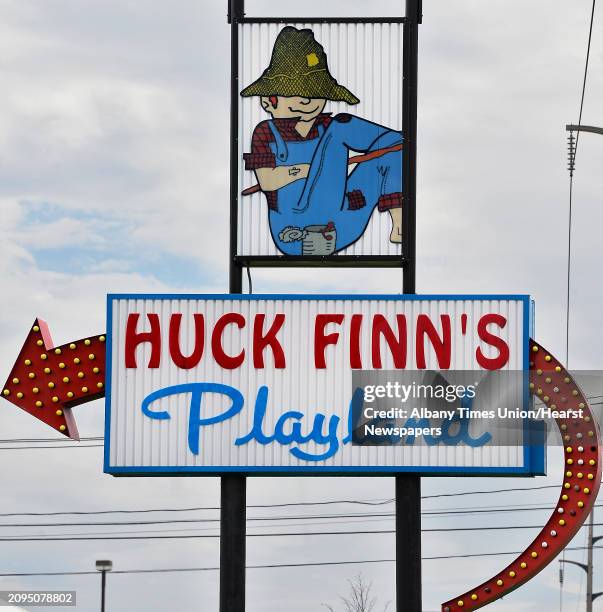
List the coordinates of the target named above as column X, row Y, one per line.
column 281, row 147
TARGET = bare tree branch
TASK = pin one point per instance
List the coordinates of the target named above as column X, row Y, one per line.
column 359, row 597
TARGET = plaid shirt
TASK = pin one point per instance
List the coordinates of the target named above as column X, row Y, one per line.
column 261, row 155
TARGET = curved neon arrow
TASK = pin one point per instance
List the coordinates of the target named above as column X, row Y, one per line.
column 554, row 386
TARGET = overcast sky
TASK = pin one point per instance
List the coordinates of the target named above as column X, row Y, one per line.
column 114, row 177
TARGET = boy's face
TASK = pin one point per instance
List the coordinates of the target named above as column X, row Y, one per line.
column 296, row 107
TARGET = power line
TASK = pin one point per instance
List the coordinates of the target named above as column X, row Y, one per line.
column 84, row 538
column 444, row 512
column 38, row 447
column 382, row 515
column 590, row 35
column 24, row 440
column 488, row 492
column 64, row 442
column 279, row 505
column 267, row 566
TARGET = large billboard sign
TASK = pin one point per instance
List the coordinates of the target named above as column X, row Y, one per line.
column 251, row 384
column 320, row 141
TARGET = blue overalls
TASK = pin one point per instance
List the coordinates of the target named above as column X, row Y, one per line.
column 324, row 196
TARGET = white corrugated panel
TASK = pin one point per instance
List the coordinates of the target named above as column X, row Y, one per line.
column 367, row 59
column 137, row 443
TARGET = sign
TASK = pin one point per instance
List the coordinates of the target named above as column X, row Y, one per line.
column 320, row 142
column 264, row 383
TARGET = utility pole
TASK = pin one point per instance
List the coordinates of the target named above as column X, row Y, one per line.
column 590, row 596
column 588, row 566
column 589, row 569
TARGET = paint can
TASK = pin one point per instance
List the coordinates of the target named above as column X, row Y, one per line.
column 319, row 240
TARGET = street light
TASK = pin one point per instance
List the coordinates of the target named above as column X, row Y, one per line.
column 103, row 566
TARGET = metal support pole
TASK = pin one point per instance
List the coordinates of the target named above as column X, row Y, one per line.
column 236, row 11
column 233, row 502
column 409, row 132
column 408, row 543
column 232, row 543
column 408, row 487
column 103, row 587
column 584, row 128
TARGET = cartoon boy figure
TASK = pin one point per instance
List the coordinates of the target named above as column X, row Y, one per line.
column 301, row 156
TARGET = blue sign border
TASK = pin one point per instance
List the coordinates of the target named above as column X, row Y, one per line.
column 534, row 449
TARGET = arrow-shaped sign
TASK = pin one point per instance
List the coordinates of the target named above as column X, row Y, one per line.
column 47, row 381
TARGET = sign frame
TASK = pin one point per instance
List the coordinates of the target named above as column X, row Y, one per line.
column 406, row 259
column 534, row 455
